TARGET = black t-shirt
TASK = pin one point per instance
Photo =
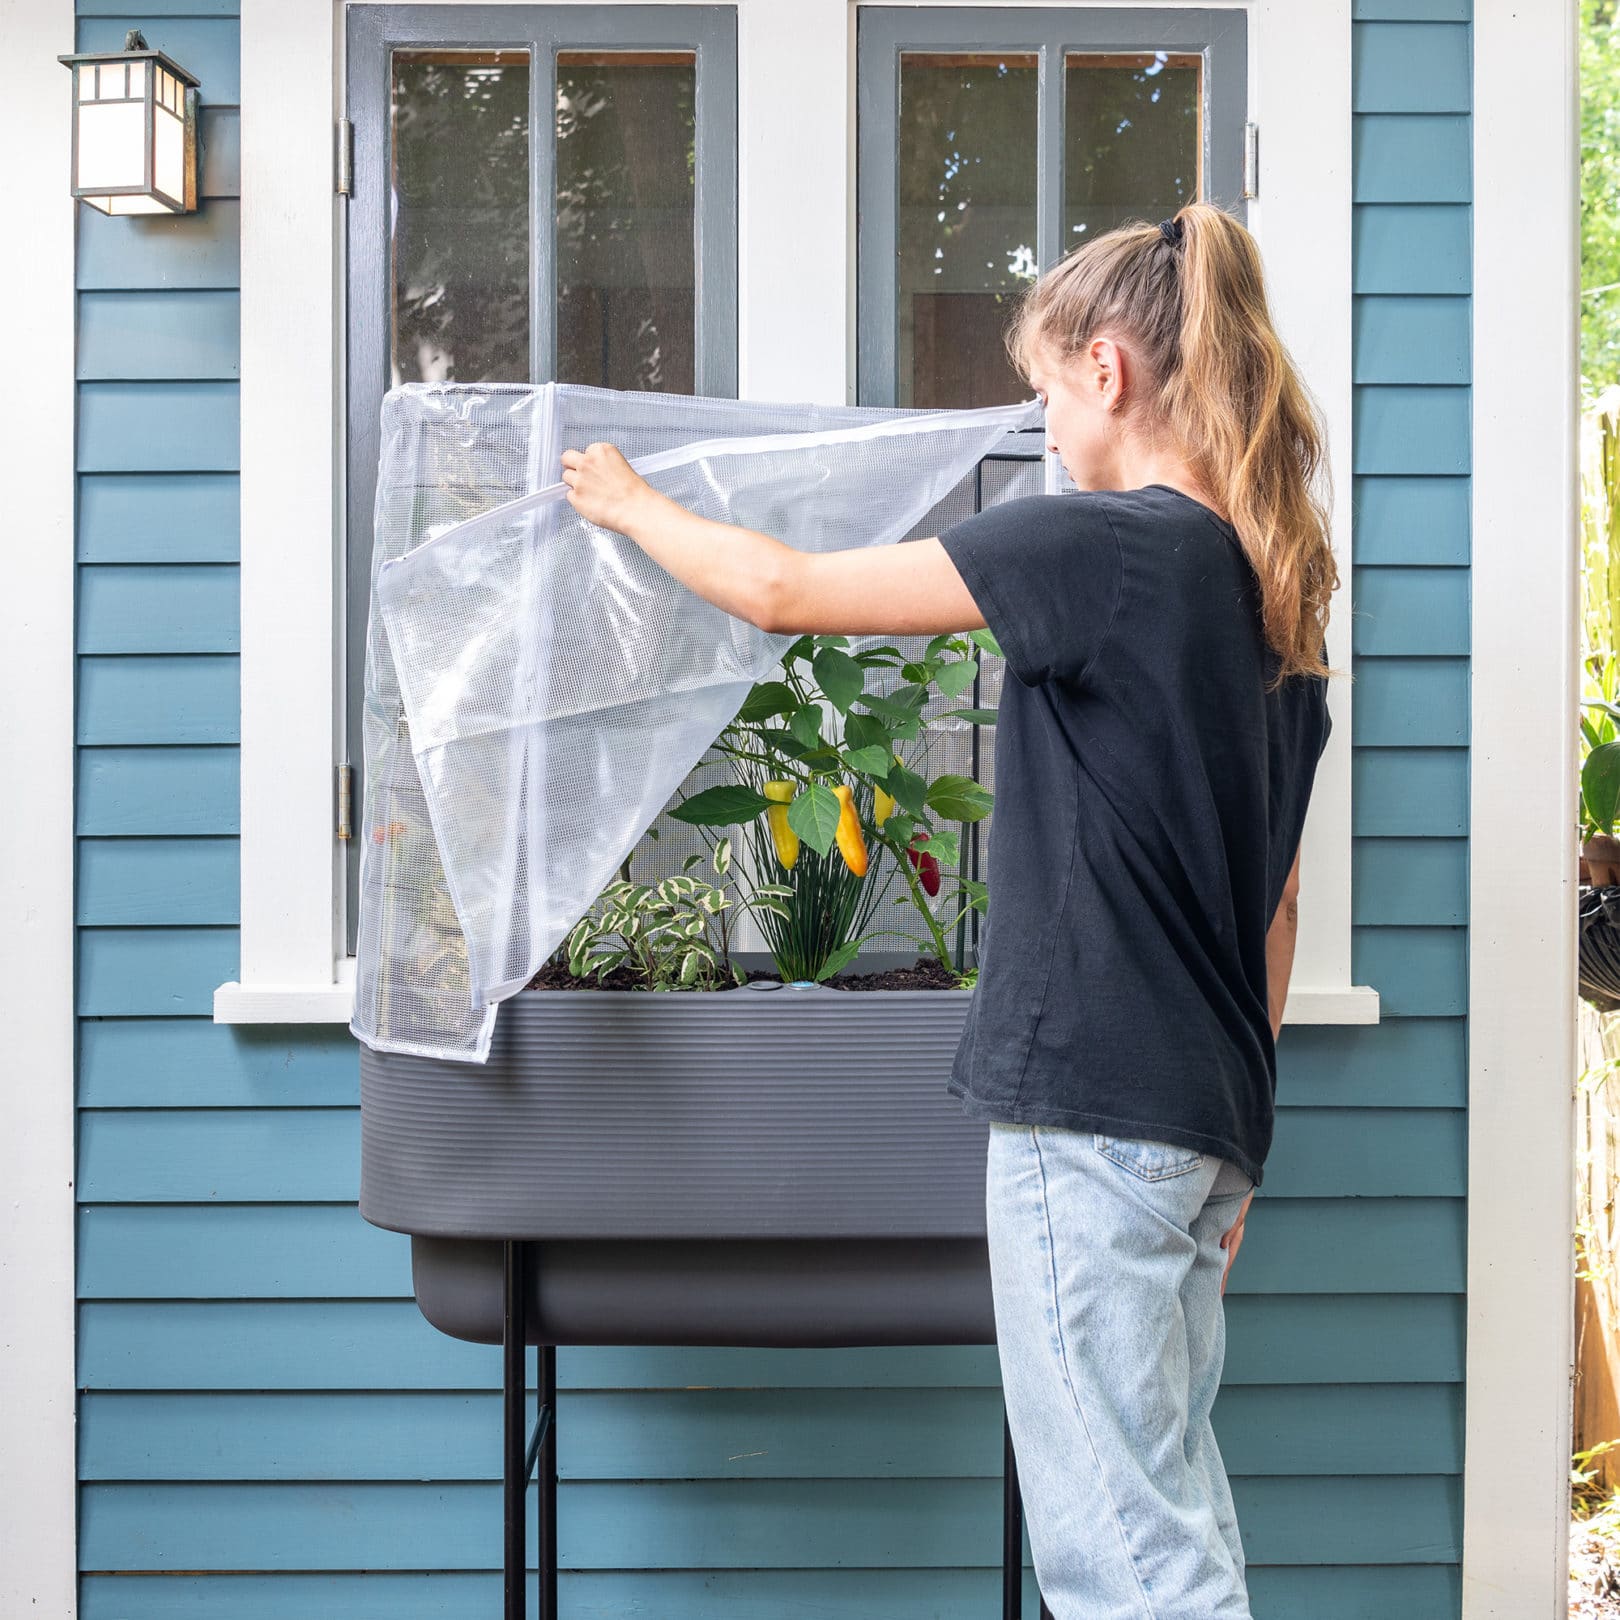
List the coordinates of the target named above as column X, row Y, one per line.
column 1149, row 797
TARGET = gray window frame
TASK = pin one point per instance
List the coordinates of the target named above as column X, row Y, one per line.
column 1220, row 36
column 371, row 33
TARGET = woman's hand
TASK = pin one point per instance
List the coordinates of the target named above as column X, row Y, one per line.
column 602, row 486
column 1233, row 1237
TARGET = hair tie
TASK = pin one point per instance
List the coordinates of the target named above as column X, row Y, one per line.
column 1170, row 229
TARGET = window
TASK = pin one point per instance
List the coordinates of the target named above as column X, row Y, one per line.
column 801, row 270
column 972, row 177
column 489, row 241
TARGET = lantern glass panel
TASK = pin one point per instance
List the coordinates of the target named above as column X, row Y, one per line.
column 169, row 155
column 112, row 144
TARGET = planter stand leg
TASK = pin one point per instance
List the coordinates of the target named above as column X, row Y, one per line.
column 519, row 1459
column 514, row 1473
column 544, row 1446
column 1012, row 1534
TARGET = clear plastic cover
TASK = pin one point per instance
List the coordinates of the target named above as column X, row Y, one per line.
column 538, row 688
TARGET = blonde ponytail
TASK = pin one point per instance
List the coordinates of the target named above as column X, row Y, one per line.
column 1221, row 386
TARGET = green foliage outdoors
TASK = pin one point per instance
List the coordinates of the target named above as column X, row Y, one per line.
column 1600, row 415
column 1600, row 195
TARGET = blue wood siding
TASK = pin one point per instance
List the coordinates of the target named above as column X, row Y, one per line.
column 267, row 1425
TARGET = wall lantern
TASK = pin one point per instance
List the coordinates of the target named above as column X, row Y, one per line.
column 134, row 130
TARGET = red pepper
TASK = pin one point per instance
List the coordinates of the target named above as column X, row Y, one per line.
column 927, row 866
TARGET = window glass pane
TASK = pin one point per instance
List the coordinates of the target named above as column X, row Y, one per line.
column 965, row 226
column 626, row 219
column 459, row 216
column 1132, row 139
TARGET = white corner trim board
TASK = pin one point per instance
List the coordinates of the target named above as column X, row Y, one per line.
column 38, row 1474
column 796, row 306
column 1522, row 890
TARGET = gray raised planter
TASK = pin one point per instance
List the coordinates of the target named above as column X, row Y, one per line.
column 750, row 1166
column 757, row 1166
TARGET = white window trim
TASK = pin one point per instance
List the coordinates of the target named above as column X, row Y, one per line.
column 796, row 307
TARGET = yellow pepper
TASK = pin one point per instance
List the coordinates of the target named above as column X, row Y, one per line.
column 782, row 835
column 851, row 843
column 882, row 803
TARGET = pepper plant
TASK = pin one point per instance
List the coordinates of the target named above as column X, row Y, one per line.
column 811, row 782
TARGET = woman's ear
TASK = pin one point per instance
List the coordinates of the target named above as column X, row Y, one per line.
column 1107, row 381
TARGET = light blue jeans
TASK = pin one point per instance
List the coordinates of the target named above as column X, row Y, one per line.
column 1106, row 1265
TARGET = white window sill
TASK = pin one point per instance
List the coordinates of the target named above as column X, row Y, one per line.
column 334, row 1003
column 1349, row 1004
column 236, row 1003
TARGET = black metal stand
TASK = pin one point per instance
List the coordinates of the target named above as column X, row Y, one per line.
column 520, row 1460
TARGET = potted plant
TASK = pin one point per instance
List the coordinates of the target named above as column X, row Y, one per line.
column 748, row 1142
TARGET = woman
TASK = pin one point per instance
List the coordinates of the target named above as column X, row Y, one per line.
column 1156, row 745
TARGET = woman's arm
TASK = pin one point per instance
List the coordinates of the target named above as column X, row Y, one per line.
column 1280, row 939
column 908, row 589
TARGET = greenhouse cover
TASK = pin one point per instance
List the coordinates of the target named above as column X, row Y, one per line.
column 537, row 688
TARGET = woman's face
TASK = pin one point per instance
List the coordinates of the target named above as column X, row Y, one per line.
column 1078, row 395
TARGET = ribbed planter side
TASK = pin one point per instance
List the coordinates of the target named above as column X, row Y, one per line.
column 748, row 1113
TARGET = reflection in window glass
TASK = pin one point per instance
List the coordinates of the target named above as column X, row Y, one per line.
column 626, row 219
column 1132, row 139
column 459, row 216
column 965, row 229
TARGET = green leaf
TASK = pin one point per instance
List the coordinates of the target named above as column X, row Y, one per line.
column 887, row 656
column 875, row 760
column 839, row 960
column 720, row 806
column 959, row 798
column 915, row 672
column 866, row 731
column 833, row 641
column 908, row 790
column 805, row 724
column 783, row 742
column 942, row 845
column 802, row 648
column 813, row 815
column 766, row 699
column 902, row 705
column 939, row 644
column 839, row 676
column 954, row 679
column 977, row 717
column 984, row 639
column 690, row 967
column 1600, row 784
column 722, row 856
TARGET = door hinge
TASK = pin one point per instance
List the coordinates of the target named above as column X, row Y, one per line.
column 345, row 788
column 345, row 158
column 1251, row 160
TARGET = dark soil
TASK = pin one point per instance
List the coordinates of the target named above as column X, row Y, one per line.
column 928, row 973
